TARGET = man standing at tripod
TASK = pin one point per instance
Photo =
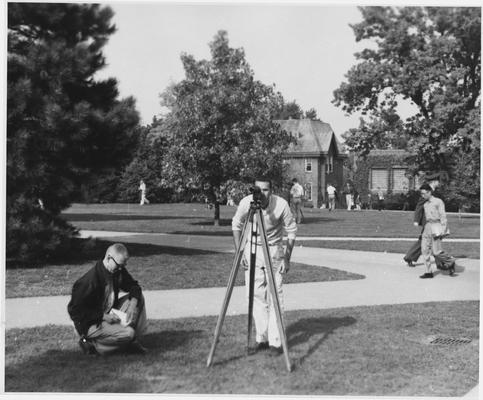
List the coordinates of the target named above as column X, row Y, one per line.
column 277, row 218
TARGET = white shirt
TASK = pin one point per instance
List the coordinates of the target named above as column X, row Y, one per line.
column 142, row 186
column 297, row 190
column 330, row 190
column 277, row 218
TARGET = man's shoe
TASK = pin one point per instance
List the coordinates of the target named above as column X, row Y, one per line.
column 87, row 346
column 261, row 346
column 451, row 270
column 136, row 348
column 427, row 275
column 275, row 351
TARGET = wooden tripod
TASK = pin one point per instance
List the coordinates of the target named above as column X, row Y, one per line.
column 254, row 218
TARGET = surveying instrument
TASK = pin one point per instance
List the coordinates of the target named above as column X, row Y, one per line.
column 253, row 223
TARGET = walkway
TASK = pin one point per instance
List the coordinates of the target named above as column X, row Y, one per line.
column 388, row 281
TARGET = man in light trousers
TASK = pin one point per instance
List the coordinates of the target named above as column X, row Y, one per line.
column 435, row 228
column 297, row 195
column 331, row 192
column 277, row 218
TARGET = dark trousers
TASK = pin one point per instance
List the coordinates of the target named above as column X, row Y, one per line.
column 414, row 251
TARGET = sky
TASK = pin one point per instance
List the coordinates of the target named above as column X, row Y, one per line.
column 304, row 50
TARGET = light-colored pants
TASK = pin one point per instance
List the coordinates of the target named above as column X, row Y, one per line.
column 263, row 309
column 297, row 209
column 144, row 200
column 429, row 244
column 108, row 338
column 331, row 202
column 348, row 200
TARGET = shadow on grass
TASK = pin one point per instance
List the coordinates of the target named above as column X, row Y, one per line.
column 304, row 337
column 227, row 233
column 90, row 250
column 305, row 330
column 223, row 222
column 315, row 220
column 72, row 217
column 142, row 250
column 61, row 370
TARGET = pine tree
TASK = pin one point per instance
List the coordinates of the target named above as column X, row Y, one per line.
column 64, row 127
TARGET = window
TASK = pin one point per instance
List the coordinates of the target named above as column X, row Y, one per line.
column 379, row 178
column 329, row 167
column 400, row 181
column 308, row 165
column 308, row 191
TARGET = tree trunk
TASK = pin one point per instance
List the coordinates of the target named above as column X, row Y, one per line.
column 216, row 221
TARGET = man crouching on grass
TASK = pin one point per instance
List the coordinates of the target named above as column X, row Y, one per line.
column 95, row 305
column 277, row 217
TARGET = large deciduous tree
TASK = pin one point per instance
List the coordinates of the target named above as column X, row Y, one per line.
column 64, row 127
column 220, row 124
column 430, row 57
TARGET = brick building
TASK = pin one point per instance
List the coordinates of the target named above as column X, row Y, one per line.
column 387, row 169
column 316, row 159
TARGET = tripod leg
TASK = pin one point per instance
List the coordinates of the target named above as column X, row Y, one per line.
column 251, row 282
column 273, row 292
column 229, row 290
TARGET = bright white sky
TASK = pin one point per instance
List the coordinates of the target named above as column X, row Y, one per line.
column 305, row 49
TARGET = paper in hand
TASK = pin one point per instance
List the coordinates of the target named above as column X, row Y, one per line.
column 121, row 315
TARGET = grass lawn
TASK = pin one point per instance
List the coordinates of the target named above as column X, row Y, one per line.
column 155, row 267
column 458, row 250
column 194, row 218
column 365, row 351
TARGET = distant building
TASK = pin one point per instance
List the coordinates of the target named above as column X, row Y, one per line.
column 385, row 169
column 316, row 159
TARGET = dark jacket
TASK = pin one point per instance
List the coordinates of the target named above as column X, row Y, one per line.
column 419, row 215
column 86, row 305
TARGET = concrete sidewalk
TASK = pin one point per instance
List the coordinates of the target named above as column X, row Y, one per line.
column 388, row 281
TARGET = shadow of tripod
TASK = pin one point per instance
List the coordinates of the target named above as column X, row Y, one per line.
column 305, row 329
column 253, row 223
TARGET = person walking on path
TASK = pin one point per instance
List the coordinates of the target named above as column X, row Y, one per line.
column 414, row 251
column 98, row 312
column 419, row 219
column 277, row 217
column 357, row 201
column 142, row 188
column 331, row 193
column 380, row 199
column 435, row 228
column 349, row 193
column 297, row 195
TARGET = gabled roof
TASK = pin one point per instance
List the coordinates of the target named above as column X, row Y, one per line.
column 313, row 137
